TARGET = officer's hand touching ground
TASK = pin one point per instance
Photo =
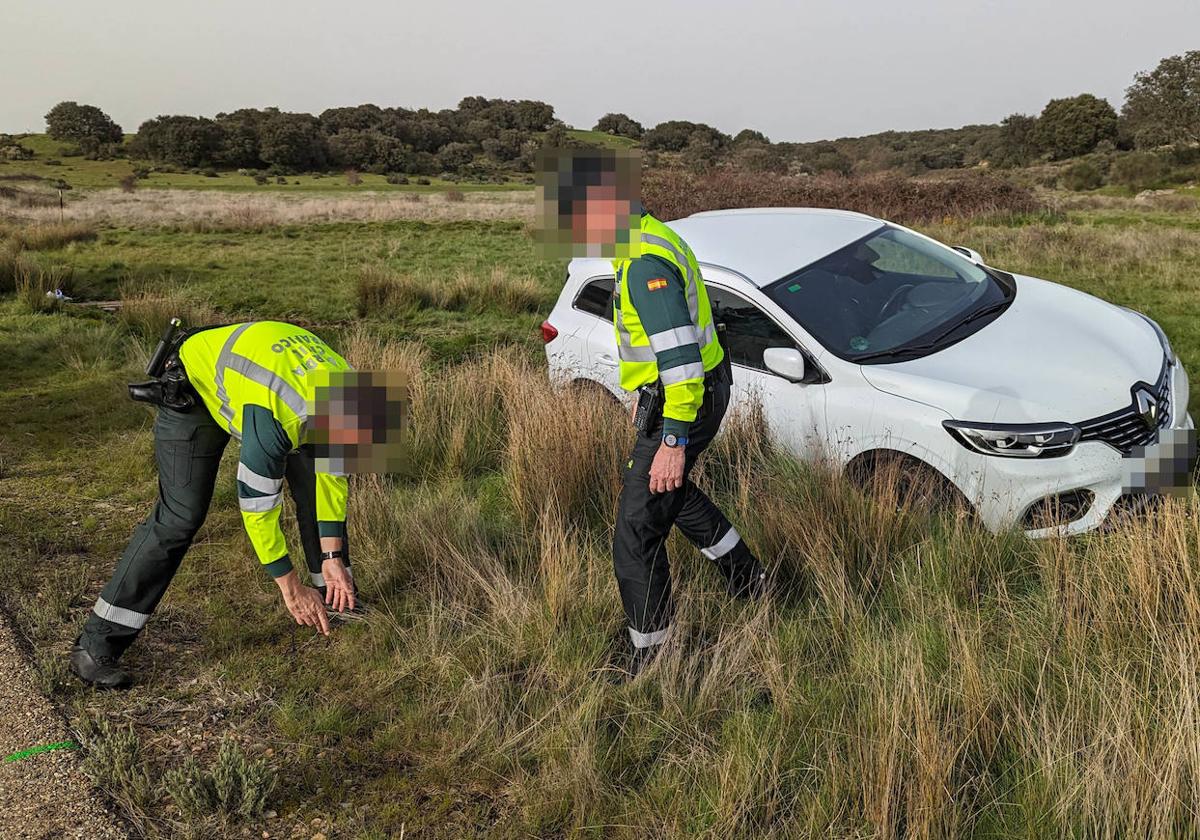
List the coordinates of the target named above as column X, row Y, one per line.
column 666, row 472
column 339, row 589
column 303, row 602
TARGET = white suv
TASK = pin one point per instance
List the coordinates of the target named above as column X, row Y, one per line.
column 865, row 341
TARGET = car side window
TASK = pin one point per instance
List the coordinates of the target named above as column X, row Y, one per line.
column 748, row 330
column 595, row 298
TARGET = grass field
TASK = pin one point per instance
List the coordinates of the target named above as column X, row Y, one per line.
column 916, row 677
column 51, row 163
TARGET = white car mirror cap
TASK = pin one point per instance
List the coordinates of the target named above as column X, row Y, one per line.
column 786, row 362
column 971, row 254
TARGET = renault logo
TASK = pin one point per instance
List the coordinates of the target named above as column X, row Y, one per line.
column 1147, row 407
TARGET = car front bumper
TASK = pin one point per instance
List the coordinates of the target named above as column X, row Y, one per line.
column 1004, row 490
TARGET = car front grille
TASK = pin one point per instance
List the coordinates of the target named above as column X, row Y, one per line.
column 1125, row 429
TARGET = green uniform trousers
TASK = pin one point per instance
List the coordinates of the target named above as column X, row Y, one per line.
column 187, row 448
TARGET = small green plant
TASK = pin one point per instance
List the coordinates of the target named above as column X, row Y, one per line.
column 115, row 764
column 233, row 785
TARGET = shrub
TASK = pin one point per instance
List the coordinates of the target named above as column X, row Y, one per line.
column 127, row 183
column 673, row 195
column 232, row 785
column 1139, row 170
column 279, row 179
column 353, row 178
column 423, row 181
column 1084, row 175
column 114, row 762
column 454, row 156
column 397, row 179
column 209, row 172
column 260, row 178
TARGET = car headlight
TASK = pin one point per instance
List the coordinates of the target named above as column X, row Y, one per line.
column 1162, row 336
column 1025, row 440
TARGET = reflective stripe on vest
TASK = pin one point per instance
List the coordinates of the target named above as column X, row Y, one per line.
column 252, row 370
column 657, row 240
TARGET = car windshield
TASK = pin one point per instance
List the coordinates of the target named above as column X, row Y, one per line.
column 890, row 296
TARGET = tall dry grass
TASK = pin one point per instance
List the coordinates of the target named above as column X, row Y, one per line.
column 201, row 210
column 913, row 675
column 382, row 291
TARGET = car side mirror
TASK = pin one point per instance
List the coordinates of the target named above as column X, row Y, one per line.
column 787, row 362
column 972, row 255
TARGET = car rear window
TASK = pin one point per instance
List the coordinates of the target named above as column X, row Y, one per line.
column 595, row 298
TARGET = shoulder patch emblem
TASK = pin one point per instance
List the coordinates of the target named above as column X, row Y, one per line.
column 656, row 284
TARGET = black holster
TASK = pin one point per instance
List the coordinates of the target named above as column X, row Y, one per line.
column 170, row 386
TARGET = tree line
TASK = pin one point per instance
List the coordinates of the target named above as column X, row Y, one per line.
column 492, row 138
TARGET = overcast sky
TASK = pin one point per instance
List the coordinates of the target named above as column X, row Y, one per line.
column 794, row 70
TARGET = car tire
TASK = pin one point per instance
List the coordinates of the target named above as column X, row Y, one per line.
column 906, row 480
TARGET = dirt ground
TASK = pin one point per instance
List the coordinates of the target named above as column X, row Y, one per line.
column 44, row 795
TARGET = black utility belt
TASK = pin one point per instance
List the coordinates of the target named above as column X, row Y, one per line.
column 652, row 398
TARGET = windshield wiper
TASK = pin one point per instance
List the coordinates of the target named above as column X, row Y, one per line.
column 906, row 349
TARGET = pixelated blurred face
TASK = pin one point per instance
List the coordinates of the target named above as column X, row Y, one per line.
column 588, row 203
column 356, row 422
column 597, row 219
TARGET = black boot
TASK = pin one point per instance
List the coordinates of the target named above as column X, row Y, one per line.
column 749, row 582
column 100, row 672
column 642, row 658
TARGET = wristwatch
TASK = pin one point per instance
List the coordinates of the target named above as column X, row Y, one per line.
column 674, row 440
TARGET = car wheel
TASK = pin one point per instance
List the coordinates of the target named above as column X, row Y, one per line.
column 906, row 481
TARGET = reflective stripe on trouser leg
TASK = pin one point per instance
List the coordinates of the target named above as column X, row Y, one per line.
column 645, row 640
column 120, row 615
column 722, row 546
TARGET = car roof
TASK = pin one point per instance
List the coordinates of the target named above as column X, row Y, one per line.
column 768, row 243
column 762, row 244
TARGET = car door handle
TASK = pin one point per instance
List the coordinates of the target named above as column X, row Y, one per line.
column 606, row 359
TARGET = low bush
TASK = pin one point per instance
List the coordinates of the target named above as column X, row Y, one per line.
column 232, row 785
column 397, row 179
column 673, row 195
column 113, row 761
column 1140, row 170
column 1083, row 175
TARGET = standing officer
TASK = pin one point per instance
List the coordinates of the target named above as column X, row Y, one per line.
column 670, row 354
column 255, row 382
